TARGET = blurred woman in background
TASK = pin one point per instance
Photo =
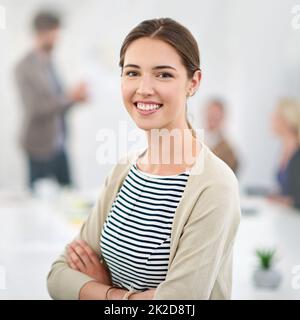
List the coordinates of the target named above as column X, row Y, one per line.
column 286, row 125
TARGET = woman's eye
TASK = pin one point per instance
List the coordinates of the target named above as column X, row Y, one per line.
column 165, row 75
column 131, row 73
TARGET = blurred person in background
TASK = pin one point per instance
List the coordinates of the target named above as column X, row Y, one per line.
column 45, row 104
column 286, row 125
column 215, row 116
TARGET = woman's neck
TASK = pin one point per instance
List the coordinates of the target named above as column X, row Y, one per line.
column 290, row 142
column 169, row 152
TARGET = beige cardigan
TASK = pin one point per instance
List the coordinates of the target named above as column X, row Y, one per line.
column 203, row 232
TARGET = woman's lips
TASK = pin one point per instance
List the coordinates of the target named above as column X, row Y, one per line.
column 146, row 112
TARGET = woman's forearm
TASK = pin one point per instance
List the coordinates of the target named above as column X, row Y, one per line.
column 94, row 290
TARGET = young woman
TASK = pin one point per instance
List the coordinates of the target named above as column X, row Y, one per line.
column 286, row 125
column 160, row 229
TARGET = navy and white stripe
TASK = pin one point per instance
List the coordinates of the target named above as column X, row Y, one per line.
column 135, row 239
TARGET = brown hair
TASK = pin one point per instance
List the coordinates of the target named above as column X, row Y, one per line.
column 46, row 21
column 173, row 33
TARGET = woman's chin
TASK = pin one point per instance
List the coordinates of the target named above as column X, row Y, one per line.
column 147, row 126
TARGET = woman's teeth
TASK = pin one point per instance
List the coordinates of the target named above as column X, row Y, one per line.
column 148, row 107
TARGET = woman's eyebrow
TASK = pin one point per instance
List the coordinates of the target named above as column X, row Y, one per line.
column 132, row 66
column 163, row 67
column 155, row 68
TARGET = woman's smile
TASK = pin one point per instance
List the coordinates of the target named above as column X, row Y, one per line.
column 146, row 108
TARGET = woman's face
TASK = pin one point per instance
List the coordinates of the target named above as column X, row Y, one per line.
column 214, row 117
column 155, row 85
column 279, row 124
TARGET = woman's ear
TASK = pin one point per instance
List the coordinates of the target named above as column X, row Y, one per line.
column 195, row 82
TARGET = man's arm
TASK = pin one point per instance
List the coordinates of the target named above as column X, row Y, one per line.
column 37, row 98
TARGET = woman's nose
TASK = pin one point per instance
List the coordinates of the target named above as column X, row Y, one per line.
column 145, row 86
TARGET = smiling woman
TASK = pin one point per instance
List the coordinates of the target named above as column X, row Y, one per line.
column 160, row 229
column 156, row 84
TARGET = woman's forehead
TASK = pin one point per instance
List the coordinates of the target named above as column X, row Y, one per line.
column 151, row 52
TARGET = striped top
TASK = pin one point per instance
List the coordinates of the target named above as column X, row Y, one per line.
column 135, row 239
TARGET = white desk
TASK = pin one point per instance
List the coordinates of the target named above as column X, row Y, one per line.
column 272, row 226
column 33, row 233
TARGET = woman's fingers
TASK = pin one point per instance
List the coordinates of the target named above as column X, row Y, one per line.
column 71, row 264
column 76, row 259
column 89, row 251
column 81, row 257
column 85, row 253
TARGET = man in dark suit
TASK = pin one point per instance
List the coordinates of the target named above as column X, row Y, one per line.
column 45, row 104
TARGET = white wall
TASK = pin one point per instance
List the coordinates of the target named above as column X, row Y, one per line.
column 249, row 51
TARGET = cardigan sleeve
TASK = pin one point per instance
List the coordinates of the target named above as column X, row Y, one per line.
column 63, row 282
column 205, row 247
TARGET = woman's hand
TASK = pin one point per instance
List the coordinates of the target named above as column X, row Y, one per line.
column 82, row 258
column 284, row 200
column 145, row 295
